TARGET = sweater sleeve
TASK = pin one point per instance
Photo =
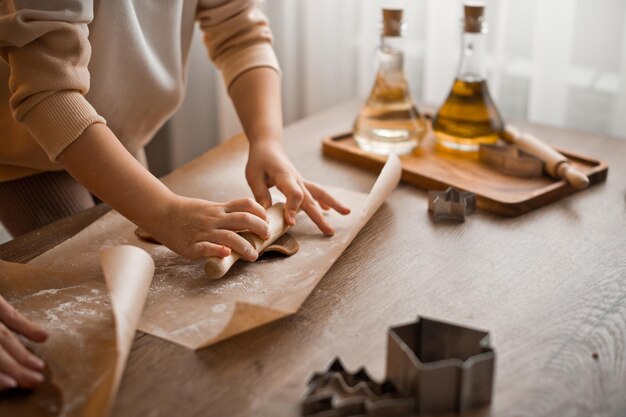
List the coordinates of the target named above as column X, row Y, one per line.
column 237, row 35
column 47, row 51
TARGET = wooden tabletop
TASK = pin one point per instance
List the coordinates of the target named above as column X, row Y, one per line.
column 550, row 286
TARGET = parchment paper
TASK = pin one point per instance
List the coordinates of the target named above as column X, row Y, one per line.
column 91, row 326
column 185, row 307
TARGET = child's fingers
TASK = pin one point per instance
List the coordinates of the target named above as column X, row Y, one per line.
column 323, row 205
column 260, row 191
column 311, row 208
column 15, row 321
column 25, row 378
column 240, row 221
column 236, row 242
column 206, row 249
column 294, row 195
column 325, row 199
column 247, row 205
column 18, row 351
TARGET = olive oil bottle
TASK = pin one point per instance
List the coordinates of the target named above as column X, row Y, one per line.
column 389, row 121
column 469, row 116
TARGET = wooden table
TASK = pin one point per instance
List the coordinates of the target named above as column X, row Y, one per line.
column 550, row 286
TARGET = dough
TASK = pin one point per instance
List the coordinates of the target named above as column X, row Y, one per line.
column 286, row 245
column 216, row 267
column 279, row 242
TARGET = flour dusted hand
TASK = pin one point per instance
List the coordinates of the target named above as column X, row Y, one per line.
column 196, row 228
column 18, row 366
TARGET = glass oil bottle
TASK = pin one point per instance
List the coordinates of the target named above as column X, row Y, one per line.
column 389, row 121
column 469, row 117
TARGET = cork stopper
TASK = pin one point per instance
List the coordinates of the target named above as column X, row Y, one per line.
column 392, row 22
column 474, row 20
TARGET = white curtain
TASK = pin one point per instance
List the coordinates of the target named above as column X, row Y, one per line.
column 558, row 62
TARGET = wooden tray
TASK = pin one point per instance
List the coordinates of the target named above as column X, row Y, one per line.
column 495, row 192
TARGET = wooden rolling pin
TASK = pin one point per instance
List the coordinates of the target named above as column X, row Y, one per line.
column 216, row 267
column 557, row 165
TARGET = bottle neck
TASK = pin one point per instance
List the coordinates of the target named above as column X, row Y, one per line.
column 390, row 54
column 472, row 65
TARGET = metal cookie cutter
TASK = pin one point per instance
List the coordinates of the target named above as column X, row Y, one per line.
column 446, row 367
column 337, row 392
column 510, row 160
column 451, row 204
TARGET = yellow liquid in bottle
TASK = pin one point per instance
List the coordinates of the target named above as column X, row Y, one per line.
column 467, row 119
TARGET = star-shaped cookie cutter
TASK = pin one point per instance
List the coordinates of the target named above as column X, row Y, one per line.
column 451, row 204
column 446, row 367
column 339, row 393
column 510, row 160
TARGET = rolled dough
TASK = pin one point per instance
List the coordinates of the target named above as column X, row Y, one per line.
column 279, row 241
column 216, row 267
column 286, row 245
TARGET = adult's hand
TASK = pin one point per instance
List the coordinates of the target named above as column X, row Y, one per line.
column 18, row 366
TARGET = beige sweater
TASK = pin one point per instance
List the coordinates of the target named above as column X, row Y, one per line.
column 67, row 64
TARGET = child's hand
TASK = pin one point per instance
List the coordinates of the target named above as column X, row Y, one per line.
column 256, row 96
column 196, row 228
column 191, row 227
column 18, row 366
column 269, row 166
